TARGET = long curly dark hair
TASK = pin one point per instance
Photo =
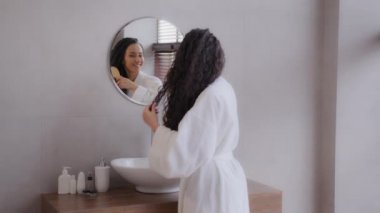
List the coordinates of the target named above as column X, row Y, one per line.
column 118, row 52
column 198, row 62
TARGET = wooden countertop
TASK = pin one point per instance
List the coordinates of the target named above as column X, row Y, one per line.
column 262, row 198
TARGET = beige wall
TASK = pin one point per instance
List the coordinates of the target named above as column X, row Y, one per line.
column 277, row 85
column 358, row 108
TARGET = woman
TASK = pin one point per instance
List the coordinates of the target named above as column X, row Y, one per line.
column 200, row 130
column 127, row 58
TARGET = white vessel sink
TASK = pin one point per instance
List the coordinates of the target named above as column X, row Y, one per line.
column 137, row 172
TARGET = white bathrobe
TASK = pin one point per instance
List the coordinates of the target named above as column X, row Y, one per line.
column 147, row 88
column 200, row 153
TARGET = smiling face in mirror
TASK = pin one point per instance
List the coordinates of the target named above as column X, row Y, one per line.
column 127, row 59
column 133, row 60
column 141, row 55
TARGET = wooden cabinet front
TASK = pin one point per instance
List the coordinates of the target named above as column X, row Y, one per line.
column 262, row 199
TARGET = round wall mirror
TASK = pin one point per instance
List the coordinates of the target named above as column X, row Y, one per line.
column 141, row 54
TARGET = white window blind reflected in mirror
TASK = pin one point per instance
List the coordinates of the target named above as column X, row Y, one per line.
column 168, row 33
column 168, row 39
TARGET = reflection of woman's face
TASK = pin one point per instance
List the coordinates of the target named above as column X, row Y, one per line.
column 133, row 59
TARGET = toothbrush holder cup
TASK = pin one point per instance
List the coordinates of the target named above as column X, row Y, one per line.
column 102, row 178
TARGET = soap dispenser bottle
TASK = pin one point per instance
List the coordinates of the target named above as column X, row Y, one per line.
column 64, row 181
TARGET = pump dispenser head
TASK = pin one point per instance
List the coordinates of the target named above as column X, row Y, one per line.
column 64, row 170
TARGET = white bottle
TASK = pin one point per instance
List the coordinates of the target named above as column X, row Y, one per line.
column 81, row 183
column 64, row 181
column 102, row 176
column 73, row 185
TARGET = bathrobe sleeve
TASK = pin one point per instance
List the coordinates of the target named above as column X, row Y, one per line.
column 144, row 94
column 147, row 88
column 179, row 153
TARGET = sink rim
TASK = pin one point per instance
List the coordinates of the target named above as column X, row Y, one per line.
column 137, row 172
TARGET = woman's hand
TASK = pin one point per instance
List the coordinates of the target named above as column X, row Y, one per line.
column 125, row 83
column 150, row 116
